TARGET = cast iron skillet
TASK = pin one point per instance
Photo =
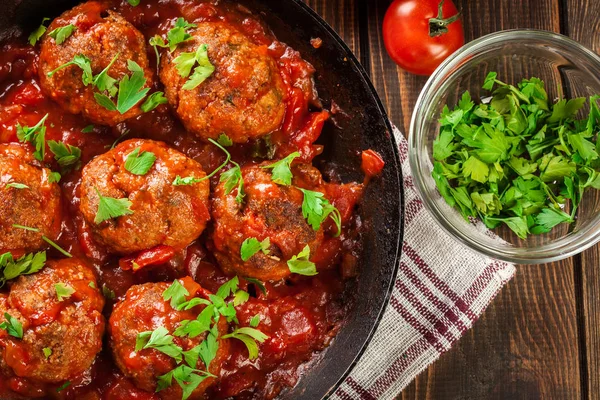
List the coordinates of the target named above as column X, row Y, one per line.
column 363, row 125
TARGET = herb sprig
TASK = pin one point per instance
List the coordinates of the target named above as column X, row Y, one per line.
column 129, row 91
column 186, row 61
column 44, row 238
column 36, row 135
column 186, row 374
column 26, row 265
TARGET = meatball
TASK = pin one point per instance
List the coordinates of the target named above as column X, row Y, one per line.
column 37, row 205
column 144, row 309
column 61, row 337
column 100, row 35
column 243, row 98
column 269, row 211
column 163, row 213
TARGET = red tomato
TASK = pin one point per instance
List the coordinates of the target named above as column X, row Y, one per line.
column 420, row 34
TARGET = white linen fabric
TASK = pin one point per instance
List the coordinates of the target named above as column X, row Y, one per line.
column 441, row 289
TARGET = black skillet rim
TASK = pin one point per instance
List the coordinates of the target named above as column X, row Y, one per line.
column 352, row 59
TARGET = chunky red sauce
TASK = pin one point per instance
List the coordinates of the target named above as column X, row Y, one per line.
column 301, row 315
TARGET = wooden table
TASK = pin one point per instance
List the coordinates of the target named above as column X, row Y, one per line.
column 540, row 338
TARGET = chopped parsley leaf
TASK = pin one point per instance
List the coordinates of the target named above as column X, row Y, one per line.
column 316, row 208
column 228, row 288
column 301, row 265
column 82, row 62
column 60, row 35
column 255, row 321
column 281, row 172
column 108, row 293
column 240, row 297
column 131, row 90
column 153, row 101
column 54, row 177
column 65, row 155
column 175, row 36
column 186, row 61
column 176, row 293
column 12, row 326
column 187, row 378
column 233, row 178
column 159, row 340
column 109, row 208
column 258, row 283
column 16, row 185
column 249, row 336
column 38, row 33
column 225, row 140
column 88, row 129
column 188, row 180
column 251, row 246
column 139, row 163
column 63, row 386
column 104, row 82
column 26, row 265
column 63, row 291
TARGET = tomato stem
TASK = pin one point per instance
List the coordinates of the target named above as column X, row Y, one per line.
column 439, row 25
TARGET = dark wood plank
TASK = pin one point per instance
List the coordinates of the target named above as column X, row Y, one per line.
column 526, row 344
column 582, row 24
column 397, row 89
column 523, row 347
column 342, row 16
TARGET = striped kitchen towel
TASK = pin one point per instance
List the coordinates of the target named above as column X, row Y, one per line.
column 441, row 289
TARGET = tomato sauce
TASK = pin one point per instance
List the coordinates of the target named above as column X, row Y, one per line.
column 300, row 315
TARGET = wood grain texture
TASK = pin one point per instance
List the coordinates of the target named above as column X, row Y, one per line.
column 398, row 89
column 523, row 347
column 582, row 23
column 526, row 345
column 342, row 16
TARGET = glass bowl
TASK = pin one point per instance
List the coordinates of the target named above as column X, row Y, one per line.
column 569, row 70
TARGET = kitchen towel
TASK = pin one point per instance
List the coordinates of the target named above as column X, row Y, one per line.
column 441, row 289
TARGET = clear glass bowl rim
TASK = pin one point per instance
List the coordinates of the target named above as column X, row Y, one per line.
column 558, row 250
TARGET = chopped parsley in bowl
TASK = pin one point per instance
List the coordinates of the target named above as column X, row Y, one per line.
column 503, row 137
column 515, row 158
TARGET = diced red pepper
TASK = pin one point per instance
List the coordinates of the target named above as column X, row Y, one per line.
column 372, row 163
column 155, row 256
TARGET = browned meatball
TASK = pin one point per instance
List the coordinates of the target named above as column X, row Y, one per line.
column 99, row 35
column 269, row 211
column 143, row 310
column 70, row 330
column 244, row 97
column 163, row 214
column 38, row 205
